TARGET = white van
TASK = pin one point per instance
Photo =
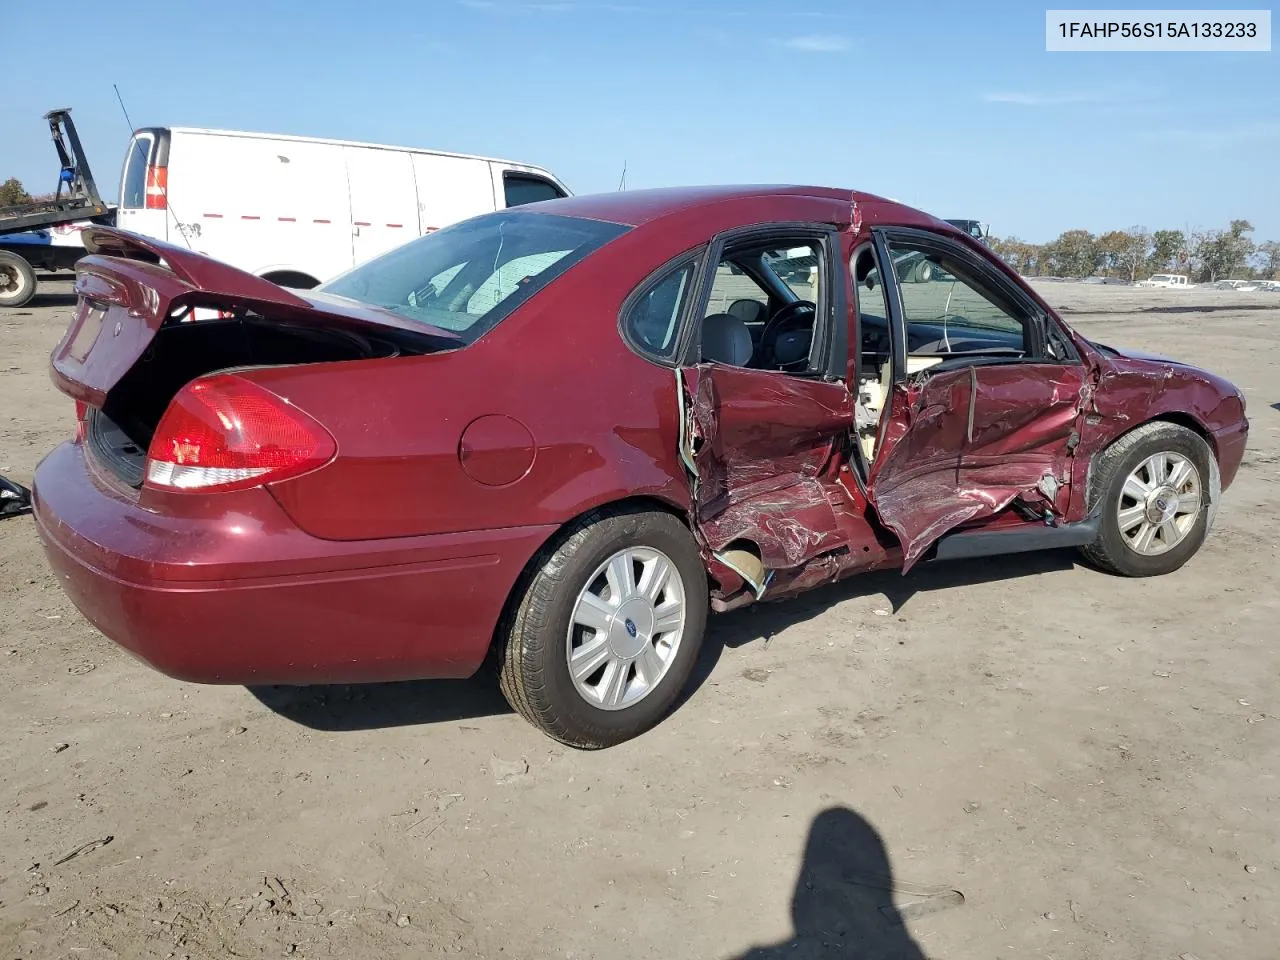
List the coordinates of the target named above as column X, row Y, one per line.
column 299, row 211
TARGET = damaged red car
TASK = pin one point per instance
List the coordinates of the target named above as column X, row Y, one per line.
column 559, row 436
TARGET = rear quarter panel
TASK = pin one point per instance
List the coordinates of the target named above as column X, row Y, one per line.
column 596, row 422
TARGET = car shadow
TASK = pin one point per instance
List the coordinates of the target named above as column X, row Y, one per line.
column 371, row 706
column 762, row 621
column 52, row 300
column 843, row 904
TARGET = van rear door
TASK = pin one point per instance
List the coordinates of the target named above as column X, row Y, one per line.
column 144, row 184
column 384, row 201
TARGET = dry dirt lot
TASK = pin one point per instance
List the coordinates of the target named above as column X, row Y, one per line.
column 1091, row 761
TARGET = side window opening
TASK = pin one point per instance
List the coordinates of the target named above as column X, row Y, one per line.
column 762, row 308
column 521, row 188
column 950, row 311
column 652, row 322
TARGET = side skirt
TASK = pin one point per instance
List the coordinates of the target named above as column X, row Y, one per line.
column 967, row 544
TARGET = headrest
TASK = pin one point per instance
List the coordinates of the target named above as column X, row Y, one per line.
column 726, row 339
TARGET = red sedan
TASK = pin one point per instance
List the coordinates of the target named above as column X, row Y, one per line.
column 562, row 434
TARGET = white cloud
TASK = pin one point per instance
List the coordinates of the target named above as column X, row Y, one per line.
column 1044, row 100
column 818, row 43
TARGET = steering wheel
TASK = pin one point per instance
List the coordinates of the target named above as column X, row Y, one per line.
column 793, row 315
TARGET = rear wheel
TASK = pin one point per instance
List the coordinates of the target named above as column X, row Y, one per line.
column 607, row 630
column 17, row 280
column 1153, row 488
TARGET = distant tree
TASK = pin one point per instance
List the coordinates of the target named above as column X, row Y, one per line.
column 1022, row 256
column 1267, row 260
column 1167, row 245
column 12, row 193
column 1133, row 250
column 1074, row 254
column 1220, row 253
column 1110, row 246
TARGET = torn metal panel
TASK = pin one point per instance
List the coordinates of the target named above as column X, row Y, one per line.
column 758, row 447
column 755, row 432
column 788, row 526
column 966, row 443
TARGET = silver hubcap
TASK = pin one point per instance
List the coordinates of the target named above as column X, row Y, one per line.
column 1159, row 503
column 626, row 628
column 11, row 280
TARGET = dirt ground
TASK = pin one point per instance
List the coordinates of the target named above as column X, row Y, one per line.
column 1091, row 761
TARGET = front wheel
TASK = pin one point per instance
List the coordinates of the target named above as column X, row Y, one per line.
column 1152, row 488
column 17, row 280
column 607, row 630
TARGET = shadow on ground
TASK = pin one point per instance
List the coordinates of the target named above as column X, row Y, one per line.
column 761, row 621
column 843, row 905
column 371, row 706
column 52, row 300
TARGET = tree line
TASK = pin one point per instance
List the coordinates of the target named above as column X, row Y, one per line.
column 1204, row 255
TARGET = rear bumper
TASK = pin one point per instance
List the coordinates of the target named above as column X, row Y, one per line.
column 242, row 596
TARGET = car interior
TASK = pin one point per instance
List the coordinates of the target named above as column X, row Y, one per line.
column 950, row 321
column 762, row 306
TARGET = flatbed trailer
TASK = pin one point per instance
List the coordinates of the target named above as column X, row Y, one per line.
column 76, row 200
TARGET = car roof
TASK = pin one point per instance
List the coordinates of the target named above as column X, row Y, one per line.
column 637, row 207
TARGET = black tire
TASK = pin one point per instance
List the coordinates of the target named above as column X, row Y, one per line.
column 531, row 655
column 1110, row 551
column 17, row 280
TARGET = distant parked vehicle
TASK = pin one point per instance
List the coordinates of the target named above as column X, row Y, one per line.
column 974, row 228
column 27, row 229
column 299, row 211
column 1167, row 280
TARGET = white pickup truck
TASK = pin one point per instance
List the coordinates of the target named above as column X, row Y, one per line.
column 1177, row 281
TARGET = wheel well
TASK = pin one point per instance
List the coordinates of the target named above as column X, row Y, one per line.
column 1192, row 424
column 636, row 504
column 292, row 278
column 1176, row 417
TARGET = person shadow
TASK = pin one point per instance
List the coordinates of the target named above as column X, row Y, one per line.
column 843, row 906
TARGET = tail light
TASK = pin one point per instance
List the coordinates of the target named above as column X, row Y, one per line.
column 225, row 433
column 82, row 420
column 157, row 188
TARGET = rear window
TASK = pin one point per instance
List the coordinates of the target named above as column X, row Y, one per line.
column 469, row 276
column 133, row 188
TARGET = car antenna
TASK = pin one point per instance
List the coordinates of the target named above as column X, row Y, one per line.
column 622, row 184
column 164, row 189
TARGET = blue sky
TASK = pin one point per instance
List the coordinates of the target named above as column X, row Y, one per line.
column 952, row 107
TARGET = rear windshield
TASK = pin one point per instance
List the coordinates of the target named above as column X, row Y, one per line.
column 467, row 277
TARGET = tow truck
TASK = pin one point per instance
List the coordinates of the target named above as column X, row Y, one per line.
column 29, row 232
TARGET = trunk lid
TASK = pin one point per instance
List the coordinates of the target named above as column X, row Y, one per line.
column 129, row 286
